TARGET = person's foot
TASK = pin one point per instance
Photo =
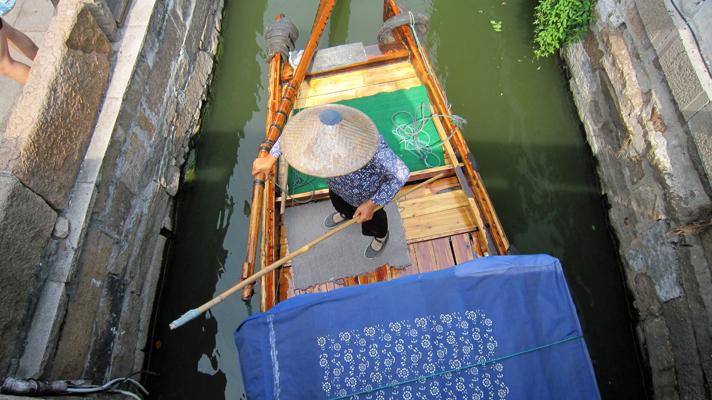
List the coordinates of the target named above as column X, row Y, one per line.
column 376, row 247
column 333, row 220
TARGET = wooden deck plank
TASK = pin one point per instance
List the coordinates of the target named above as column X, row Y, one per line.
column 443, row 253
column 432, row 204
column 462, row 248
column 364, row 91
column 356, row 79
column 425, row 254
column 413, row 258
column 440, row 185
column 444, row 223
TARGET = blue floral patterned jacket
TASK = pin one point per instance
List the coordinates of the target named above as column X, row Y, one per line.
column 379, row 180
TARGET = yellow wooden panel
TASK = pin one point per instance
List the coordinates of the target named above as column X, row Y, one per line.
column 353, row 93
column 444, row 223
column 432, row 204
column 355, row 79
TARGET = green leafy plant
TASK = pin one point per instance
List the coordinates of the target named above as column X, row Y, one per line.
column 496, row 25
column 559, row 21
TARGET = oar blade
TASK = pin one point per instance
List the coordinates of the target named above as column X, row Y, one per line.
column 188, row 316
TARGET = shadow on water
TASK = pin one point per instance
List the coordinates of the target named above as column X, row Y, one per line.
column 522, row 128
column 199, row 360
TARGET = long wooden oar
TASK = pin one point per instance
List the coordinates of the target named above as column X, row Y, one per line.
column 275, row 129
column 194, row 313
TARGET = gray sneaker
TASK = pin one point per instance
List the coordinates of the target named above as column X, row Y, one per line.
column 376, row 247
column 329, row 221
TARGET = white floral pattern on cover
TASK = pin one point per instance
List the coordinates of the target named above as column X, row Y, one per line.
column 419, row 352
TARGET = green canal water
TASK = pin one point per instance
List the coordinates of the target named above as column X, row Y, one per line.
column 523, row 130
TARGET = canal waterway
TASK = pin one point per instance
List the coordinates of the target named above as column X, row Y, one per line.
column 523, row 130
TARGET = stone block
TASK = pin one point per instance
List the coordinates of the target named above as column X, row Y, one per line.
column 657, row 20
column 636, row 29
column 700, row 126
column 660, row 358
column 646, row 254
column 46, row 320
column 188, row 110
column 119, row 209
column 84, row 291
column 146, row 125
column 697, row 283
column 49, row 129
column 118, row 264
column 194, row 33
column 104, row 17
column 690, row 380
column 182, row 9
column 133, row 169
column 703, row 29
column 144, row 240
column 646, row 300
column 26, row 223
column 61, row 228
column 105, row 332
column 211, row 33
column 685, row 84
column 167, row 55
column 622, row 71
column 127, row 356
column 118, row 9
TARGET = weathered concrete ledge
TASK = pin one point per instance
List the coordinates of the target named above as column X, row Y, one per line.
column 643, row 90
column 89, row 183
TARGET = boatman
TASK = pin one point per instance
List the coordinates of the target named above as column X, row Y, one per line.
column 342, row 144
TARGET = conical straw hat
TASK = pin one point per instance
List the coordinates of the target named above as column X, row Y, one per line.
column 329, row 140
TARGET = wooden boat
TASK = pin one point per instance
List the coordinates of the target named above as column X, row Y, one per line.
column 447, row 222
column 392, row 340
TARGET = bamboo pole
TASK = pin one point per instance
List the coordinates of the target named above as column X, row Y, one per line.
column 194, row 313
column 275, row 129
column 267, row 224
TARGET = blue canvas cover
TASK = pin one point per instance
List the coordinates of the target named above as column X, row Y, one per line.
column 493, row 328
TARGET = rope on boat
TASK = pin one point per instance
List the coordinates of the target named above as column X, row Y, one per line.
column 409, row 134
column 280, row 38
column 422, row 379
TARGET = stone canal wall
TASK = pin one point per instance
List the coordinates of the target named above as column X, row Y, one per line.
column 89, row 165
column 642, row 87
